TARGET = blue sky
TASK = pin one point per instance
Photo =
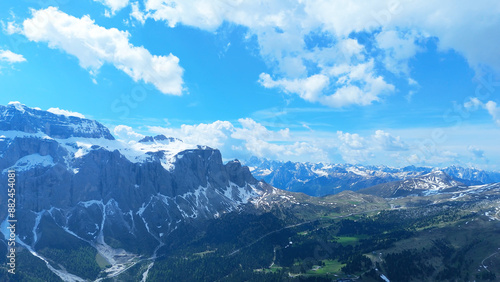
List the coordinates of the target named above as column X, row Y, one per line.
column 367, row 82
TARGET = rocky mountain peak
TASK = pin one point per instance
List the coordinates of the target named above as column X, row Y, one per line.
column 159, row 139
column 18, row 117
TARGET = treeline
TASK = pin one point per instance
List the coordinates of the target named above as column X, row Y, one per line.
column 81, row 261
column 29, row 268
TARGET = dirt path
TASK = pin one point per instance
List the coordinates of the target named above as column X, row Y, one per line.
column 486, row 258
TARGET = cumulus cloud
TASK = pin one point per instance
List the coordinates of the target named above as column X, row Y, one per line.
column 11, row 57
column 94, row 46
column 248, row 138
column 11, row 28
column 388, row 142
column 251, row 138
column 473, row 104
column 355, row 85
column 127, row 133
column 67, row 113
column 211, row 134
column 136, row 13
column 490, row 106
column 398, row 47
column 353, row 141
column 440, row 158
column 353, row 148
column 113, row 5
column 262, row 142
column 283, row 30
column 251, row 129
column 309, row 88
column 358, row 84
column 493, row 110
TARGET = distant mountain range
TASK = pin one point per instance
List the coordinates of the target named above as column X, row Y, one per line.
column 317, row 179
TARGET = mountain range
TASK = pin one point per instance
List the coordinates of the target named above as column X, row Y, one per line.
column 318, row 179
column 91, row 207
column 123, row 199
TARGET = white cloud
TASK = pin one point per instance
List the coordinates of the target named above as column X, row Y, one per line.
column 357, row 84
column 440, row 159
column 478, row 153
column 10, row 57
column 262, row 142
column 11, row 28
column 493, row 110
column 212, row 134
column 353, row 148
column 282, row 27
column 249, row 138
column 356, row 148
column 126, row 133
column 94, row 46
column 395, row 147
column 412, row 82
column 62, row 112
column 491, row 106
column 253, row 130
column 388, row 142
column 473, row 104
column 353, row 141
column 114, row 5
column 136, row 13
column 309, row 88
column 398, row 48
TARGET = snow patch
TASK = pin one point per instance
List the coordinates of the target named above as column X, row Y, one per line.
column 12, row 134
column 35, row 227
column 31, row 161
column 320, row 172
column 135, row 152
column 91, row 202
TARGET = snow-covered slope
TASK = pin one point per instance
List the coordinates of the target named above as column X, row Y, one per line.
column 427, row 184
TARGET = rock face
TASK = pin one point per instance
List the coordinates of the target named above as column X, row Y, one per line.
column 74, row 176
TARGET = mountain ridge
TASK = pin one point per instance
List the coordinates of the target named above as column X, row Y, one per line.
column 18, row 117
column 318, row 179
column 121, row 199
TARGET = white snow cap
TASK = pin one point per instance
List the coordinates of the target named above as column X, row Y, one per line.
column 17, row 105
